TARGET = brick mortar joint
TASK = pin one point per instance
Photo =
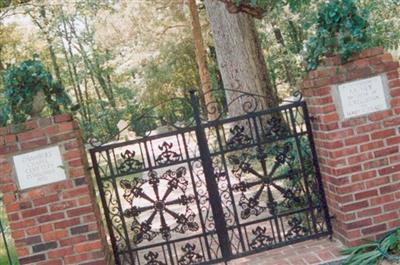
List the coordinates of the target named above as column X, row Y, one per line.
column 32, row 124
column 324, row 73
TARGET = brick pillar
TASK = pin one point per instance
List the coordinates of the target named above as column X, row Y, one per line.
column 57, row 223
column 359, row 157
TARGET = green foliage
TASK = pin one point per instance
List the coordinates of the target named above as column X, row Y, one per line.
column 296, row 182
column 7, row 3
column 268, row 5
column 384, row 22
column 167, row 77
column 171, row 112
column 341, row 30
column 103, row 126
column 21, row 84
column 143, row 121
column 374, row 251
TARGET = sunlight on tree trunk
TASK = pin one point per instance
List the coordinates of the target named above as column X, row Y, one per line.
column 240, row 57
column 201, row 59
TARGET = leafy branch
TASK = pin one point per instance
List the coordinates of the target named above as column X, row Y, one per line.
column 258, row 8
column 341, row 29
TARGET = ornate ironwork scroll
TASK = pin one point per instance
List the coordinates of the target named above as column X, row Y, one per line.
column 190, row 257
column 214, row 190
column 160, row 204
column 167, row 156
column 130, row 163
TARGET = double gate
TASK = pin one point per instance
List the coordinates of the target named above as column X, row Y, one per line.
column 216, row 190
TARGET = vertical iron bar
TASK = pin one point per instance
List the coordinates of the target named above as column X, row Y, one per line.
column 303, row 170
column 5, row 243
column 317, row 169
column 263, row 161
column 212, row 185
column 223, row 153
column 202, row 219
column 121, row 212
column 104, row 203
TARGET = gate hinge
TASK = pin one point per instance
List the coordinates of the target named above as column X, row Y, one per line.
column 313, row 118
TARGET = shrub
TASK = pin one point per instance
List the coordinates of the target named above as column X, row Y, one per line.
column 374, row 251
column 341, row 28
column 22, row 82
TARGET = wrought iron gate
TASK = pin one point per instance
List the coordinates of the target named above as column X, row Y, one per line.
column 5, row 253
column 213, row 191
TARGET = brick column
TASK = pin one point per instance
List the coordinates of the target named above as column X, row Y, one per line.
column 56, row 223
column 359, row 157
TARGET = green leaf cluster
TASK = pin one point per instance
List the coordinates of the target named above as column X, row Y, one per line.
column 268, row 5
column 21, row 84
column 341, row 29
column 374, row 251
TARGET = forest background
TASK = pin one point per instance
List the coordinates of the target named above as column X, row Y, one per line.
column 117, row 59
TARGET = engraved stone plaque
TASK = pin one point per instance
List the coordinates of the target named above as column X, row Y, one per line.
column 39, row 168
column 362, row 97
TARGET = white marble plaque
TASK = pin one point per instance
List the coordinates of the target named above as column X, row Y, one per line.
column 362, row 97
column 39, row 168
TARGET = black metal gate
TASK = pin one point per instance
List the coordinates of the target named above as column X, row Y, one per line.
column 213, row 191
column 5, row 252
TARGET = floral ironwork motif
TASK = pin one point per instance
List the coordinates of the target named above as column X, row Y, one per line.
column 296, row 230
column 261, row 239
column 265, row 181
column 239, row 138
column 190, row 257
column 167, row 156
column 152, row 259
column 175, row 182
column 130, row 163
column 256, row 187
column 275, row 128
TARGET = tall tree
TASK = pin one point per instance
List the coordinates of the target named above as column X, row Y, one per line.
column 45, row 25
column 240, row 56
column 201, row 60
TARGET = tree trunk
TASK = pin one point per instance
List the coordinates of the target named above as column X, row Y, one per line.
column 201, row 59
column 94, row 69
column 53, row 57
column 240, row 57
column 71, row 64
column 286, row 64
column 49, row 41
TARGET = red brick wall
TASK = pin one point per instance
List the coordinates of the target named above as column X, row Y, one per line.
column 359, row 157
column 57, row 223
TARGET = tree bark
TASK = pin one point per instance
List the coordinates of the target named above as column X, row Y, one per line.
column 94, row 69
column 240, row 57
column 49, row 41
column 201, row 59
column 286, row 64
column 71, row 65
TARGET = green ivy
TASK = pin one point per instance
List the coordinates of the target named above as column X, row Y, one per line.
column 22, row 82
column 341, row 29
column 268, row 5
